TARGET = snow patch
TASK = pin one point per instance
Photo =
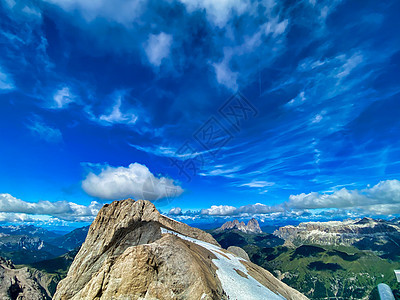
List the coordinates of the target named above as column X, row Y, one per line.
column 234, row 285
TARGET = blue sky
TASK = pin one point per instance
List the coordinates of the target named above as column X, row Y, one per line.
column 98, row 99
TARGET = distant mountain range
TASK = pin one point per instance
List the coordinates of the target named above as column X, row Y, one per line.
column 71, row 240
column 380, row 236
column 337, row 259
column 27, row 244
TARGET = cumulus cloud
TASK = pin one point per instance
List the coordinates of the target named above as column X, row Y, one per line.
column 16, row 217
column 175, row 211
column 383, row 198
column 135, row 181
column 14, row 208
column 6, row 83
column 251, row 209
column 219, row 210
column 44, row 131
column 158, row 47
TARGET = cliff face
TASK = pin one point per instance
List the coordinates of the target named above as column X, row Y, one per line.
column 349, row 232
column 20, row 283
column 133, row 252
column 251, row 227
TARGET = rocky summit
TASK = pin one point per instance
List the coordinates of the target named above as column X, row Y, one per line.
column 133, row 252
column 251, row 227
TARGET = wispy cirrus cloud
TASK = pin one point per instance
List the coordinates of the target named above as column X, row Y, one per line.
column 6, row 82
column 116, row 116
column 258, row 184
column 45, row 132
column 63, row 97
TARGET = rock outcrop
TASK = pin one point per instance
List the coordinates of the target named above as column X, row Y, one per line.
column 238, row 252
column 20, row 283
column 133, row 252
column 251, row 227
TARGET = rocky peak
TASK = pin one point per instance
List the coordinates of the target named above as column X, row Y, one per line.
column 133, row 252
column 366, row 220
column 251, row 227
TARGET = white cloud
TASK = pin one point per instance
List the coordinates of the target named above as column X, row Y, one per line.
column 31, row 11
column 6, row 83
column 257, row 208
column 45, row 132
column 135, row 181
column 225, row 75
column 116, row 116
column 275, row 27
column 383, row 198
column 19, row 209
column 175, row 211
column 258, row 184
column 158, row 47
column 222, row 170
column 163, row 151
column 300, row 98
column 350, row 64
column 15, row 217
column 63, row 97
column 246, row 210
column 317, row 118
column 219, row 210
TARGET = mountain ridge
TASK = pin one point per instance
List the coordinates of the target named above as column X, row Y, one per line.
column 131, row 251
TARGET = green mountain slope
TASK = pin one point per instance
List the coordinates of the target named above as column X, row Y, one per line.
column 319, row 272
